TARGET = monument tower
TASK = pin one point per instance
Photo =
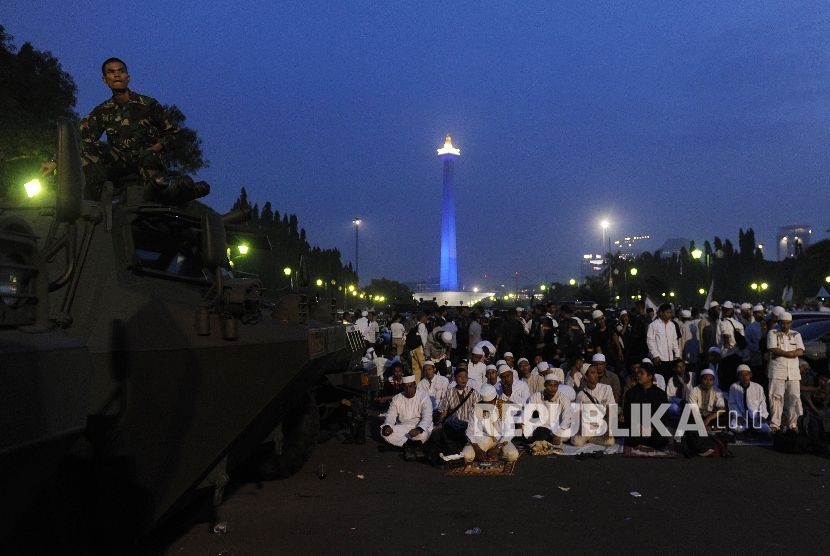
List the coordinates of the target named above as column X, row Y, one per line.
column 449, row 265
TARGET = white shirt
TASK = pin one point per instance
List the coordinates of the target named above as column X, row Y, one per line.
column 726, row 336
column 560, row 416
column 411, row 412
column 784, row 367
column 477, row 372
column 452, row 329
column 490, row 426
column 603, row 394
column 397, row 329
column 755, row 400
column 716, row 401
column 535, row 383
column 519, row 394
column 569, row 392
column 662, row 340
column 659, row 381
column 362, row 324
column 681, row 393
column 435, row 388
column 372, row 332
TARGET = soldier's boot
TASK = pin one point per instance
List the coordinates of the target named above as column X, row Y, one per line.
column 155, row 189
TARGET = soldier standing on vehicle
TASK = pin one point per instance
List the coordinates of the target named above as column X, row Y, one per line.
column 138, row 130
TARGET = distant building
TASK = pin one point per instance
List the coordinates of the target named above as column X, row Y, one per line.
column 673, row 245
column 591, row 266
column 629, row 247
column 793, row 240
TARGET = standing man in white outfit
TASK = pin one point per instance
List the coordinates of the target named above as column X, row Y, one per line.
column 785, row 347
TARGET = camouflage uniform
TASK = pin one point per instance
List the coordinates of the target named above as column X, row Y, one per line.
column 132, row 128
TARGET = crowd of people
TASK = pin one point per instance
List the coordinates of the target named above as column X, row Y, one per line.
column 471, row 381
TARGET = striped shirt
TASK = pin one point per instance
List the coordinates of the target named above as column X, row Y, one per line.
column 453, row 397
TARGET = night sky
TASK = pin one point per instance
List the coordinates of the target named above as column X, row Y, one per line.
column 673, row 119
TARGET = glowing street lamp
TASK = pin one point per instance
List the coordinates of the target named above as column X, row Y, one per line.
column 287, row 271
column 319, row 282
column 243, row 249
column 356, row 223
column 572, row 281
column 697, row 254
column 32, row 188
column 701, row 291
column 633, row 271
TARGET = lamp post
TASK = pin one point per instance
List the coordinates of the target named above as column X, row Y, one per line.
column 356, row 223
column 287, row 271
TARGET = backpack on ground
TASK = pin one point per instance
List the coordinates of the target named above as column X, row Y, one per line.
column 791, row 442
column 812, row 428
column 693, row 444
column 413, row 338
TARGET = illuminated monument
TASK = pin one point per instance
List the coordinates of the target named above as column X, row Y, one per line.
column 448, row 292
column 449, row 261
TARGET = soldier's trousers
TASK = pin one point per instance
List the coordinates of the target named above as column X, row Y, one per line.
column 105, row 163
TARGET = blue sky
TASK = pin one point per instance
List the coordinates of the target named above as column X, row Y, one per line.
column 673, row 119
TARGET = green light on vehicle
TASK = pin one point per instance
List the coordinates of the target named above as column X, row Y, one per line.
column 32, row 188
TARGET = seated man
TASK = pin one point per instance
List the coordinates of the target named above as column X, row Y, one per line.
column 477, row 369
column 709, row 400
column 510, row 391
column 391, row 387
column 458, row 403
column 595, row 399
column 492, row 375
column 605, row 377
column 645, row 393
column 408, row 422
column 490, row 431
column 433, row 385
column 678, row 389
column 747, row 404
column 535, row 383
column 548, row 413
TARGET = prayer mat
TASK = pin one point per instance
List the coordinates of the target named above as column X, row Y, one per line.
column 571, row 450
column 672, row 451
column 496, row 469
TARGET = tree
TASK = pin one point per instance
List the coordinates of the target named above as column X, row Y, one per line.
column 185, row 153
column 34, row 93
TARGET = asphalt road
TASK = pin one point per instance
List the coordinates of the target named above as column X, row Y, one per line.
column 760, row 502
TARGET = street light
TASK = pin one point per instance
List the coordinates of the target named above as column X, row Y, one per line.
column 572, row 281
column 633, row 271
column 697, row 254
column 356, row 223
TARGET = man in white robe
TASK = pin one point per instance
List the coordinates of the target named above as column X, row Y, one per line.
column 490, row 431
column 747, row 404
column 408, row 422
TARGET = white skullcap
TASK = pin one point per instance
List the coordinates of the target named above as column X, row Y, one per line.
column 597, row 314
column 744, row 368
column 478, row 351
column 428, row 362
column 647, row 360
column 686, row 314
column 705, row 372
column 623, row 312
column 713, row 304
column 446, row 337
column 598, row 357
column 487, row 392
column 505, row 369
column 508, row 354
column 728, row 305
column 364, row 314
column 777, row 310
column 523, row 359
column 714, row 349
column 408, row 378
column 585, row 367
column 551, row 376
column 757, row 308
column 785, row 316
column 542, row 367
column 488, row 367
column 519, row 309
column 746, row 306
column 501, row 362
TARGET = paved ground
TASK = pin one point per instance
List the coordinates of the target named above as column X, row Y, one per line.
column 760, row 502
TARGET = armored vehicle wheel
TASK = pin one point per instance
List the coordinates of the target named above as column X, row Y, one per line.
column 300, row 431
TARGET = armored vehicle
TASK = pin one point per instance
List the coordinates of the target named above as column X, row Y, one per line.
column 137, row 370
